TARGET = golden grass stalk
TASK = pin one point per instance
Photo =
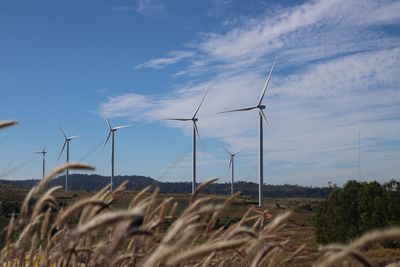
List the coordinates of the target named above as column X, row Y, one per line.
column 25, row 232
column 46, row 198
column 5, row 124
column 36, row 189
column 109, row 218
column 173, row 210
column 45, row 225
column 212, row 222
column 206, row 249
column 390, row 234
column 289, row 259
column 201, row 187
column 267, row 248
column 138, row 196
column 277, row 222
column 77, row 206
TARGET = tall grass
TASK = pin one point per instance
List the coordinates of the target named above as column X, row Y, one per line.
column 89, row 232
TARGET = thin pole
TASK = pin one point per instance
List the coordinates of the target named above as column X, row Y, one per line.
column 232, row 180
column 67, row 171
column 44, row 164
column 261, row 167
column 112, row 161
column 359, row 156
column 194, row 158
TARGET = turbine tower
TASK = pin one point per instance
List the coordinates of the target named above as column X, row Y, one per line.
column 231, row 167
column 263, row 116
column 111, row 133
column 43, row 152
column 194, row 119
column 66, row 144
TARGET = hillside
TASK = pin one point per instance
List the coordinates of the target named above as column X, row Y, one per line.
column 94, row 182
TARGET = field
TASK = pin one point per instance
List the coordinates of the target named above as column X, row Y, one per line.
column 289, row 241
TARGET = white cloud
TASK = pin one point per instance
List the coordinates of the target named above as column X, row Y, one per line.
column 143, row 7
column 173, row 57
column 148, row 6
column 337, row 74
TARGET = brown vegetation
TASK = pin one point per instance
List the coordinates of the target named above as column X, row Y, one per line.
column 152, row 231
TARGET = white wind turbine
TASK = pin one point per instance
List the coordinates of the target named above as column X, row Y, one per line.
column 195, row 132
column 43, row 152
column 66, row 144
column 231, row 167
column 262, row 115
column 111, row 133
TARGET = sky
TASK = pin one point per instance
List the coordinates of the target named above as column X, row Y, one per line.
column 63, row 63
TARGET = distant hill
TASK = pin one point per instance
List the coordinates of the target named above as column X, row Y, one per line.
column 94, row 182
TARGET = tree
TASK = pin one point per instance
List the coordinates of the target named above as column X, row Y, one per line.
column 356, row 208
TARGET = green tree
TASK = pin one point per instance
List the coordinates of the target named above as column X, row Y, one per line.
column 356, row 208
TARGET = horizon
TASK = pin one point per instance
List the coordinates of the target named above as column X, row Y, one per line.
column 141, row 61
column 328, row 185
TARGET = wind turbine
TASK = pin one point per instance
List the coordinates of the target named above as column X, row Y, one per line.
column 195, row 132
column 262, row 115
column 43, row 152
column 66, row 144
column 231, row 167
column 111, row 133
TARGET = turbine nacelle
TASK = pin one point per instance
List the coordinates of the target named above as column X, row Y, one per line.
column 261, row 106
column 66, row 140
column 43, row 151
column 112, row 129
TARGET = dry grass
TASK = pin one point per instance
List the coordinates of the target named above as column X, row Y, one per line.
column 5, row 124
column 90, row 232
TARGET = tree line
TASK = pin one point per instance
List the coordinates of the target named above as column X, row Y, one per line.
column 94, row 182
column 356, row 208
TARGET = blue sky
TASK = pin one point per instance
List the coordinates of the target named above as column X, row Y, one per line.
column 62, row 63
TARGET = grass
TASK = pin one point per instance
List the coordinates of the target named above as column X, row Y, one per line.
column 148, row 229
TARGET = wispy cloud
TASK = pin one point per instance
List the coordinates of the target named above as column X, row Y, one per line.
column 337, row 74
column 172, row 58
column 144, row 7
column 102, row 91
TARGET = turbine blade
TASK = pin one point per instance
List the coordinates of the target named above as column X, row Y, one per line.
column 239, row 109
column 37, row 152
column 229, row 167
column 122, row 126
column 63, row 133
column 241, row 150
column 108, row 137
column 177, row 119
column 107, row 121
column 44, row 149
column 62, row 149
column 267, row 82
column 198, row 135
column 226, row 150
column 197, row 110
column 74, row 137
column 266, row 120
